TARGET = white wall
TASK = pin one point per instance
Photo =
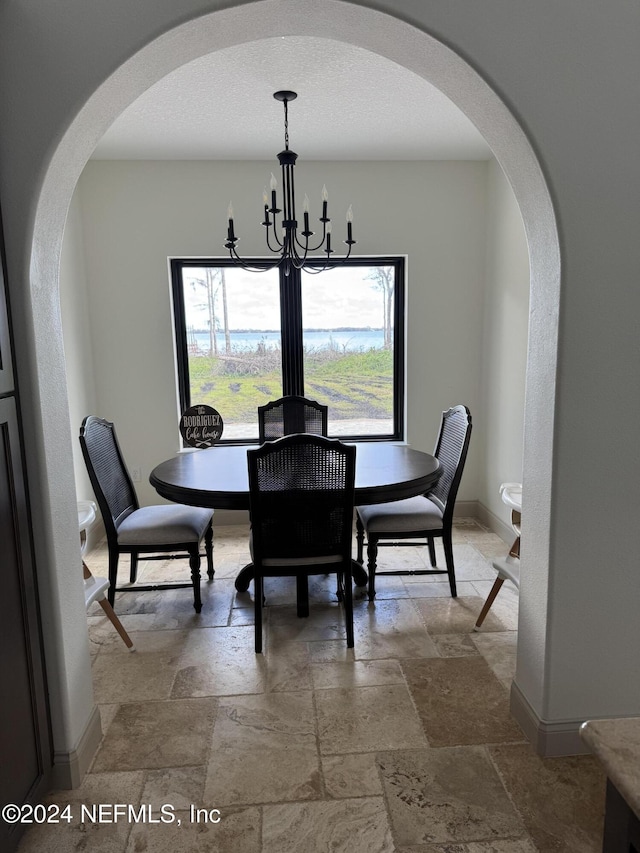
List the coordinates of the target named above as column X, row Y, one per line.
column 504, row 345
column 76, row 328
column 136, row 214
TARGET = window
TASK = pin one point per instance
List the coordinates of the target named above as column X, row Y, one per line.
column 335, row 336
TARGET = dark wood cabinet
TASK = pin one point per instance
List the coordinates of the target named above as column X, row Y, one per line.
column 621, row 824
column 25, row 742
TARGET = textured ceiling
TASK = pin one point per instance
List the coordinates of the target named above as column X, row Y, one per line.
column 352, row 105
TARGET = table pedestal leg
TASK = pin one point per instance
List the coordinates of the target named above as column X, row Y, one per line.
column 360, row 576
column 245, row 576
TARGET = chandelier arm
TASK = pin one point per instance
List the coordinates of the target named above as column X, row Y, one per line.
column 304, row 246
column 246, row 265
column 279, row 244
column 268, row 222
column 320, row 244
column 336, row 262
column 314, row 271
column 325, row 220
column 296, row 258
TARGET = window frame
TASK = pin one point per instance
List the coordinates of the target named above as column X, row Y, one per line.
column 292, row 332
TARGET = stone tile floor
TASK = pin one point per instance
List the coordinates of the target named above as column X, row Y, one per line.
column 402, row 745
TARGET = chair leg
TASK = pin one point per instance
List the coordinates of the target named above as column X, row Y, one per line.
column 194, row 563
column 515, row 548
column 258, row 595
column 359, row 540
column 113, row 575
column 448, row 553
column 340, row 586
column 495, row 589
column 372, row 555
column 133, row 572
column 117, row 624
column 208, row 548
column 302, row 594
column 432, row 551
column 348, row 607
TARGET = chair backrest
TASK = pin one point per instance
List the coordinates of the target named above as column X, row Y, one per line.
column 451, row 452
column 107, row 471
column 301, row 493
column 290, row 415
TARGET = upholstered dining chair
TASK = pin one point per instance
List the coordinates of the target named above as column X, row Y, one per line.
column 291, row 414
column 159, row 532
column 301, row 491
column 429, row 515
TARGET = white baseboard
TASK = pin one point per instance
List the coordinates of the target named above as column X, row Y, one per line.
column 548, row 739
column 229, row 516
column 70, row 767
column 491, row 521
column 463, row 509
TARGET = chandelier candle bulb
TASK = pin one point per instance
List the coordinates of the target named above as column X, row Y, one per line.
column 349, row 239
column 305, row 210
column 325, row 202
column 230, row 235
column 265, row 201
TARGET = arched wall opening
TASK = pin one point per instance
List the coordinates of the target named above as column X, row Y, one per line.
column 418, row 52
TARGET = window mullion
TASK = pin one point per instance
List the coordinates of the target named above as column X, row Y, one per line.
column 291, row 332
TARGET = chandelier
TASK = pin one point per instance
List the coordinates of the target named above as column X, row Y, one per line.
column 291, row 246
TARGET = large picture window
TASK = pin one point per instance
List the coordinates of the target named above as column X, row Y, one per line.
column 335, row 336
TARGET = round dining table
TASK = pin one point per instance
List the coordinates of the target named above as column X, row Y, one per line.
column 217, row 477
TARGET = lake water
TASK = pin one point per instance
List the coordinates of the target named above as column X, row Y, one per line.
column 361, row 340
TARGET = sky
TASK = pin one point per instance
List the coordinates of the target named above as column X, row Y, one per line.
column 333, row 299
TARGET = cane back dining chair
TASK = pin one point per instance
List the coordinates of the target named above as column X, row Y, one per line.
column 291, row 414
column 301, row 491
column 429, row 515
column 160, row 532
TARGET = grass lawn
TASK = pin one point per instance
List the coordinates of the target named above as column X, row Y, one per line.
column 352, row 384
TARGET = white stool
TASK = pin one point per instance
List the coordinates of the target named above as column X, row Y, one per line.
column 508, row 568
column 95, row 588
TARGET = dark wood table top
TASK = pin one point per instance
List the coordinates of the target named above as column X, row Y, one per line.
column 218, row 478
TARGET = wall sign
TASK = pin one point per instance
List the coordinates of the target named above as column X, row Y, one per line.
column 201, row 426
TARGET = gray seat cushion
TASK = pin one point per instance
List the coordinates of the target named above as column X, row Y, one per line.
column 401, row 516
column 290, row 562
column 152, row 526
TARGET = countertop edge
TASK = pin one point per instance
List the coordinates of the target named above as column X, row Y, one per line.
column 616, row 744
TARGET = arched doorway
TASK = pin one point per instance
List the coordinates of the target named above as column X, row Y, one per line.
column 416, row 51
